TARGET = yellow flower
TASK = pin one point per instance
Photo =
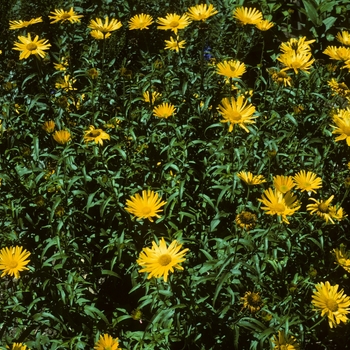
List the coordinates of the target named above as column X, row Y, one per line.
column 296, row 61
column 342, row 122
column 173, row 22
column 247, row 15
column 13, row 260
column 251, row 179
column 150, row 98
column 338, row 53
column 264, row 25
column 237, row 112
column 340, row 89
column 99, row 35
column 23, row 24
column 140, row 22
column 285, row 342
column 297, row 46
column 61, row 15
column 344, row 37
column 62, row 136
column 307, row 181
column 145, row 207
column 31, row 47
column 333, row 304
column 165, row 110
column 174, row 45
column 231, row 69
column 201, row 12
column 160, row 259
column 108, row 26
column 276, row 203
column 66, row 84
column 324, row 210
column 49, row 126
column 252, row 301
column 17, row 346
column 246, row 220
column 280, row 77
column 97, row 135
column 283, row 183
column 106, row 342
column 343, row 257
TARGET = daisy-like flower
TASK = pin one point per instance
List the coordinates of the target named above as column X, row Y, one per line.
column 98, row 35
column 65, row 83
column 140, row 22
column 159, row 260
column 276, row 203
column 62, row 136
column 151, row 97
column 63, row 16
column 264, row 25
column 237, row 112
column 344, row 37
column 145, row 207
column 283, row 183
column 17, row 346
column 343, row 257
column 340, row 89
column 106, row 342
column 324, row 210
column 333, row 304
column 23, row 24
column 28, row 47
column 97, row 135
column 174, row 45
column 280, row 77
column 296, row 61
column 106, row 27
column 231, row 69
column 246, row 220
column 165, row 110
column 62, row 66
column 252, row 301
column 342, row 125
column 338, row 53
column 49, row 126
column 307, row 181
column 173, row 22
column 13, row 260
column 282, row 341
column 251, row 179
column 247, row 15
column 201, row 12
column 298, row 46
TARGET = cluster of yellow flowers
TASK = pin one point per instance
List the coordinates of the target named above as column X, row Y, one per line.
column 341, row 53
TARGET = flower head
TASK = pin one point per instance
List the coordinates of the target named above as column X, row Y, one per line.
column 251, row 179
column 252, row 301
column 342, row 125
column 280, row 77
column 246, row 220
column 106, row 27
column 277, row 203
column 63, row 16
column 247, row 15
column 97, row 135
column 344, row 37
column 140, row 22
column 65, row 83
column 296, row 61
column 23, row 24
column 307, row 181
column 28, row 47
column 283, row 183
column 297, row 46
column 342, row 257
column 340, row 89
column 338, row 53
column 49, row 126
column 231, row 69
column 173, row 22
column 13, row 260
column 106, row 342
column 237, row 112
column 62, row 136
column 264, row 25
column 324, row 210
column 201, row 12
column 174, row 45
column 283, row 341
column 333, row 304
column 165, row 110
column 145, row 207
column 151, row 97
column 159, row 260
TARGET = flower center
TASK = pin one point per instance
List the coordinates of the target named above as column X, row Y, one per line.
column 146, row 210
column 174, row 24
column 323, row 208
column 164, row 260
column 254, row 299
column 12, row 264
column 278, row 208
column 332, row 305
column 31, row 46
column 94, row 133
column 65, row 16
column 235, row 116
column 247, row 218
